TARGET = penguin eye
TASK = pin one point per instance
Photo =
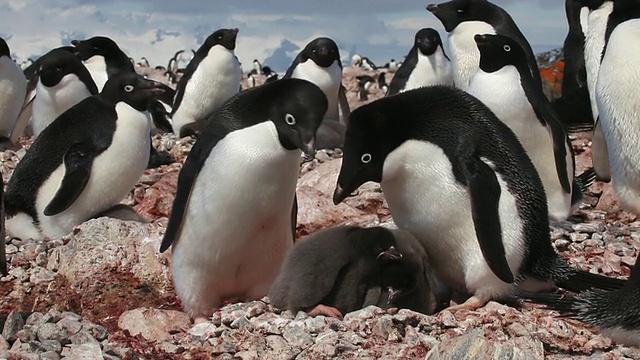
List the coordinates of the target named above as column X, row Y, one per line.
column 289, row 119
column 506, row 48
column 366, row 158
column 219, row 37
column 460, row 11
column 128, row 88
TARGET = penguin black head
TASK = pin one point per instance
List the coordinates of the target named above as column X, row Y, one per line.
column 4, row 48
column 223, row 37
column 56, row 64
column 427, row 41
column 375, row 242
column 132, row 89
column 591, row 4
column 323, row 51
column 498, row 51
column 454, row 12
column 97, row 45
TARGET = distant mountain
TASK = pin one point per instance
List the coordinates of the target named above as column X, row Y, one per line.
column 282, row 56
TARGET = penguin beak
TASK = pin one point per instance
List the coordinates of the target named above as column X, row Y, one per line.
column 433, row 8
column 390, row 254
column 154, row 88
column 339, row 194
column 308, row 148
column 393, row 295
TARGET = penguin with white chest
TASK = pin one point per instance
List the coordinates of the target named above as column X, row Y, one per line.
column 619, row 108
column 84, row 162
column 459, row 180
column 212, row 77
column 13, row 89
column 425, row 64
column 63, row 82
column 464, row 19
column 503, row 83
column 234, row 215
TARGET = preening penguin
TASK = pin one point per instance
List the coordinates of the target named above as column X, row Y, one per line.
column 13, row 89
column 425, row 64
column 103, row 58
column 212, row 77
column 484, row 195
column 364, row 84
column 233, row 217
column 84, row 162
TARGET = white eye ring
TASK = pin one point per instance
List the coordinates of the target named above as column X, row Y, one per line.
column 460, row 11
column 128, row 88
column 289, row 119
column 506, row 48
column 366, row 158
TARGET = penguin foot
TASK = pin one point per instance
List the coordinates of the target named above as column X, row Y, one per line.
column 326, row 311
column 472, row 303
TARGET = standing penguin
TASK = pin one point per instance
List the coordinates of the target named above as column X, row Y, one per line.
column 619, row 111
column 364, row 84
column 212, row 77
column 13, row 89
column 382, row 83
column 464, row 19
column 459, row 180
column 503, row 83
column 234, row 214
column 63, row 82
column 425, row 64
column 330, row 271
column 84, row 162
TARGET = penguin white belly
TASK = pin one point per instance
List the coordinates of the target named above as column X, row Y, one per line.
column 593, row 47
column 237, row 227
column 327, row 79
column 465, row 56
column 502, row 92
column 113, row 174
column 425, row 199
column 53, row 101
column 620, row 111
column 97, row 67
column 13, row 89
column 215, row 80
column 584, row 20
column 430, row 70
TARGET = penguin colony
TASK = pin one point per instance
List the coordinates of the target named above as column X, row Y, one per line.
column 472, row 158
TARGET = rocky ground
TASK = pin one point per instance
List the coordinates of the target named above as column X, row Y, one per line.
column 104, row 291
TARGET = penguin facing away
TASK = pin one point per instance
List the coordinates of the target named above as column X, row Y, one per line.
column 615, row 313
column 231, row 230
column 504, row 84
column 13, row 89
column 619, row 110
column 463, row 19
column 425, row 64
column 491, row 206
column 212, row 77
column 84, row 162
column 63, row 82
column 330, row 272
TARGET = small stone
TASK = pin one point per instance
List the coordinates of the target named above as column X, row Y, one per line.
column 169, row 348
column 202, row 330
column 240, row 322
column 49, row 355
column 52, row 316
column 82, row 337
column 84, row 351
column 34, row 318
column 12, row 325
column 11, row 249
column 447, row 319
column 154, row 324
column 517, row 329
column 296, row 335
column 578, row 237
column 561, row 244
column 51, row 345
column 42, row 259
column 315, row 324
column 4, row 345
column 70, row 325
column 383, row 327
column 99, row 332
column 51, row 331
column 589, row 228
column 18, row 272
column 27, row 333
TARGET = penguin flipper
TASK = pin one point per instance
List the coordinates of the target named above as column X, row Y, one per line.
column 565, row 304
column 159, row 116
column 344, row 104
column 294, row 216
column 600, row 154
column 23, row 120
column 485, row 199
column 3, row 254
column 77, row 162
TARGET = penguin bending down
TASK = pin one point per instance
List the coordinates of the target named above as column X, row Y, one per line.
column 425, row 64
column 463, row 19
column 84, row 162
column 234, row 214
column 483, row 217
column 331, row 271
column 615, row 313
column 63, row 82
column 212, row 77
column 13, row 89
column 503, row 83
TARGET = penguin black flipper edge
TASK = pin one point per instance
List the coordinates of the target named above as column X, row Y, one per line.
column 485, row 200
column 344, row 104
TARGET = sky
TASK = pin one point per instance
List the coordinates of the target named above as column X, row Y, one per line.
column 378, row 29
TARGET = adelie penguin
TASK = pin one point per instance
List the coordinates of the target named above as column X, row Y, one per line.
column 503, row 83
column 319, row 62
column 614, row 313
column 211, row 78
column 13, row 89
column 459, row 180
column 463, row 19
column 63, row 82
column 234, row 215
column 330, row 272
column 382, row 83
column 425, row 64
column 364, row 84
column 619, row 104
column 84, row 162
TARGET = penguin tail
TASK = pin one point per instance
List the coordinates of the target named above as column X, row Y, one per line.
column 579, row 280
column 565, row 304
column 586, row 179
